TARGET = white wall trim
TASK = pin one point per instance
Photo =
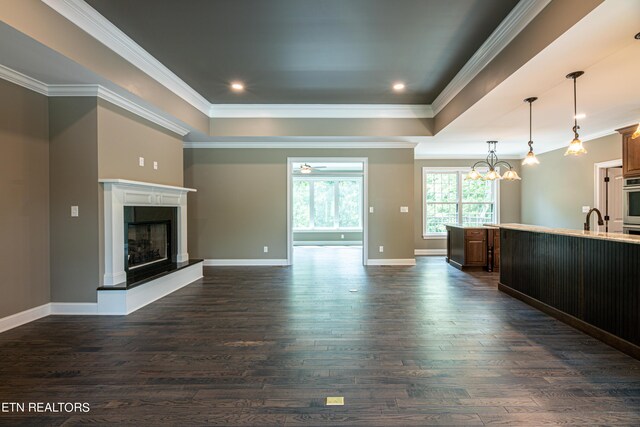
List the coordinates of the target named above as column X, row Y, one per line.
column 126, row 301
column 74, row 308
column 100, row 28
column 23, row 80
column 316, row 111
column 99, row 91
column 244, row 262
column 118, row 100
column 300, row 144
column 327, row 242
column 24, row 317
column 407, row 261
column 521, row 15
column 430, row 252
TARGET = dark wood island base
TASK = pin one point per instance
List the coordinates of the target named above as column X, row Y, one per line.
column 588, row 280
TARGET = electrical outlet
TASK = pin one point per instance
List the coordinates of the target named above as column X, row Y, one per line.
column 74, row 211
column 404, row 209
column 342, row 236
column 140, row 161
column 381, row 249
column 155, row 165
column 585, row 209
column 266, row 249
column 370, row 209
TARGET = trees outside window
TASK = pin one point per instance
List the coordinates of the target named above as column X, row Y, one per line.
column 449, row 199
column 323, row 203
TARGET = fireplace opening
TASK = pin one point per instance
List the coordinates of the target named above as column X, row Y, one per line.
column 148, row 243
column 150, row 234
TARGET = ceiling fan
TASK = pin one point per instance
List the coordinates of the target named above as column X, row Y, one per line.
column 307, row 168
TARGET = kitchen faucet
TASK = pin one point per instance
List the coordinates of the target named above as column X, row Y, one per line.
column 600, row 221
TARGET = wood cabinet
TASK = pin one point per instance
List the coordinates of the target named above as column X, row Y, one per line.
column 473, row 247
column 630, row 152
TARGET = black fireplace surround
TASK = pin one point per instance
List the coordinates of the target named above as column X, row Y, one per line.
column 150, row 233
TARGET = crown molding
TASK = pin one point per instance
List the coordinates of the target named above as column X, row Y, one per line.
column 521, row 15
column 299, row 144
column 118, row 100
column 97, row 26
column 462, row 157
column 23, row 80
column 99, row 91
column 333, row 111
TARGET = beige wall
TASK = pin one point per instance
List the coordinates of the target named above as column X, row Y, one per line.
column 241, row 201
column 327, row 236
column 92, row 139
column 554, row 191
column 124, row 137
column 509, row 198
column 24, row 205
column 74, row 181
column 321, row 127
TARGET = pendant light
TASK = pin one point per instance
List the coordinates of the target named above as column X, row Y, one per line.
column 531, row 158
column 492, row 162
column 575, row 147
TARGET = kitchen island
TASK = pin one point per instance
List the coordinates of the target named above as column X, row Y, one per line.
column 589, row 280
column 471, row 247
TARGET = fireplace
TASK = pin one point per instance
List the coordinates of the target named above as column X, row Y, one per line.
column 147, row 243
column 149, row 235
column 132, row 204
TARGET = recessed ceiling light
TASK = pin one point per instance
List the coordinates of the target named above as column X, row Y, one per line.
column 398, row 86
column 237, row 86
column 637, row 36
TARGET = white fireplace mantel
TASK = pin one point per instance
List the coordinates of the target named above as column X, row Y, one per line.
column 119, row 193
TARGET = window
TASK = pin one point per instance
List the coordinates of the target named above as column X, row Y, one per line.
column 449, row 199
column 327, row 203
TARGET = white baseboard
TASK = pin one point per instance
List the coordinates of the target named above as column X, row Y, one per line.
column 23, row 317
column 116, row 302
column 74, row 308
column 328, row 243
column 126, row 301
column 407, row 261
column 244, row 262
column 430, row 252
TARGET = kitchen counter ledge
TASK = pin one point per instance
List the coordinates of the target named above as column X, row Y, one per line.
column 619, row 237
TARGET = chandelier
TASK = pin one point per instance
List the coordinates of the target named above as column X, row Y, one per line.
column 492, row 162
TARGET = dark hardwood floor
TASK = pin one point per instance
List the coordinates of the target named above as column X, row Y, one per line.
column 422, row 345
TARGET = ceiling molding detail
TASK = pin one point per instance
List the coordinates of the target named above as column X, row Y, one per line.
column 521, row 15
column 23, row 80
column 97, row 26
column 461, row 157
column 90, row 90
column 326, row 111
column 299, row 144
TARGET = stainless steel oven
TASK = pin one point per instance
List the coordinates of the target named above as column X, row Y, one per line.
column 631, row 191
column 631, row 229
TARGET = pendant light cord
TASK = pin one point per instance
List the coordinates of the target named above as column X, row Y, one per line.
column 575, row 109
column 530, row 119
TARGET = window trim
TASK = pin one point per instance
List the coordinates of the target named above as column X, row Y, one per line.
column 460, row 171
column 336, row 207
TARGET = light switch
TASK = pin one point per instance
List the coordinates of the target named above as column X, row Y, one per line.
column 141, row 161
column 404, row 209
column 155, row 165
column 74, row 211
column 370, row 209
column 585, row 209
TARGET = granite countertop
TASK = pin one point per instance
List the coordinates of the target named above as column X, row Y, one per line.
column 618, row 237
column 471, row 227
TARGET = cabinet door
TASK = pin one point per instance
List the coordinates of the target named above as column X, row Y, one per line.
column 475, row 252
column 630, row 155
